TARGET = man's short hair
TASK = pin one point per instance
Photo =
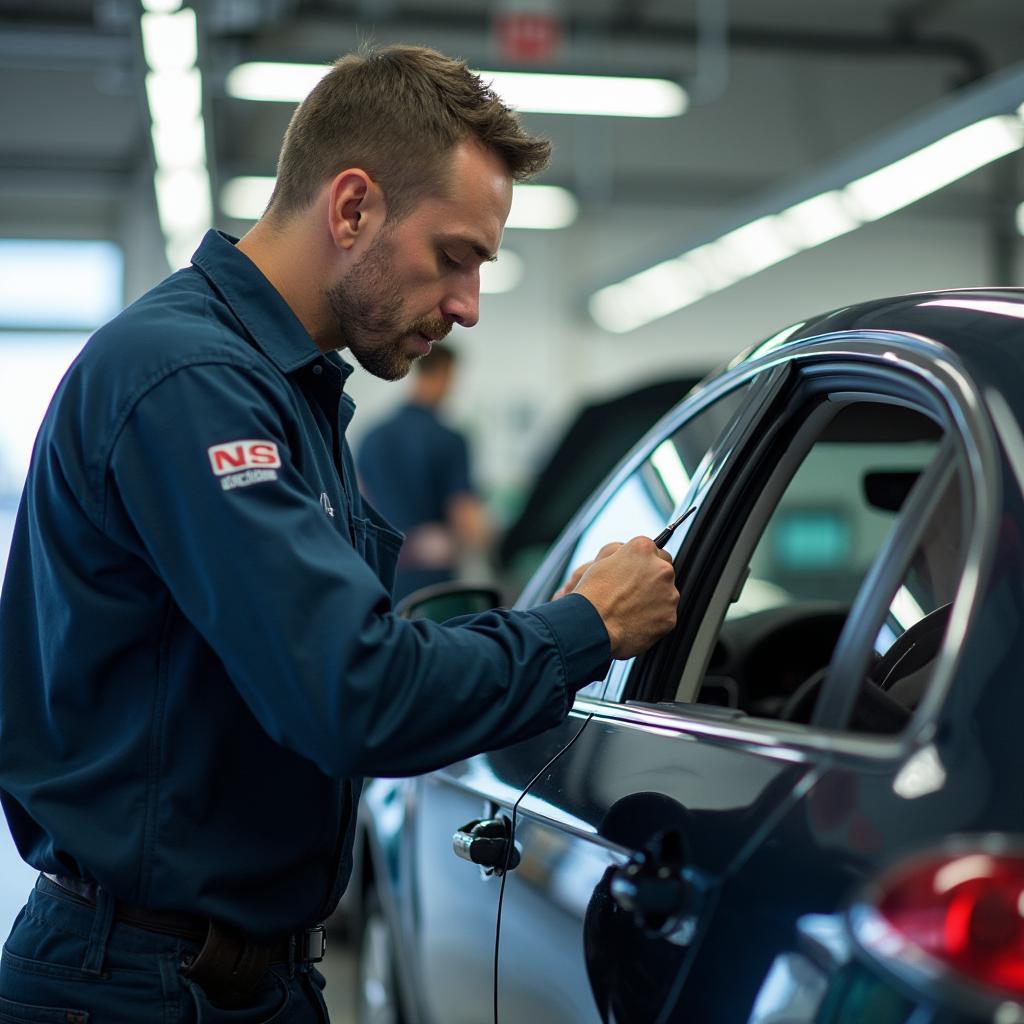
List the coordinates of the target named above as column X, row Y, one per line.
column 397, row 112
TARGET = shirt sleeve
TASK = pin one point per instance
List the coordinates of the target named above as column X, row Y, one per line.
column 301, row 624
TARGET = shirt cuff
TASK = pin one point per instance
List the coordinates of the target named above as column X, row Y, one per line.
column 581, row 637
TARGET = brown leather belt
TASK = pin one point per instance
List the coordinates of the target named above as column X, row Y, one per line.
column 184, row 926
column 229, row 963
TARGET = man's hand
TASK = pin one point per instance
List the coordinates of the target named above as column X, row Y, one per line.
column 577, row 573
column 632, row 586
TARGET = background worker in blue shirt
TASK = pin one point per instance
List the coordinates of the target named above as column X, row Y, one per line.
column 415, row 469
column 198, row 657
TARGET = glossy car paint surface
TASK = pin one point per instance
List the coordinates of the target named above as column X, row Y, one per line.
column 765, row 830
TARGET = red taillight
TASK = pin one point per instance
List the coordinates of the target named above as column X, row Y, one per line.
column 964, row 911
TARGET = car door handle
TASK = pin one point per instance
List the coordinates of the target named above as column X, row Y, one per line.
column 486, row 842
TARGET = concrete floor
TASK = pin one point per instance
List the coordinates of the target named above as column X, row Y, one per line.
column 340, row 971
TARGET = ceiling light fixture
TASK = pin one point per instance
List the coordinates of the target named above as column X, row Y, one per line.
column 599, row 95
column 246, row 197
column 174, row 95
column 179, row 143
column 174, row 91
column 169, row 40
column 183, row 197
column 679, row 282
column 525, row 91
column 934, row 167
column 544, row 207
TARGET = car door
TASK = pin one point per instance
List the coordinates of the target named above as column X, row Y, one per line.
column 634, row 899
column 449, row 926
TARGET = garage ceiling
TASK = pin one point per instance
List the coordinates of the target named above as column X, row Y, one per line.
column 800, row 81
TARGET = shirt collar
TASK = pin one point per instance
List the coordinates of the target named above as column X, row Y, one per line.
column 260, row 307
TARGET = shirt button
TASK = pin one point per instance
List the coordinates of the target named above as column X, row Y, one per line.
column 318, row 369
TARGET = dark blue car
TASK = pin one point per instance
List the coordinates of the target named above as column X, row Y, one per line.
column 806, row 804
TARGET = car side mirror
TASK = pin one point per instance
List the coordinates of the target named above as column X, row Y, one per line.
column 444, row 601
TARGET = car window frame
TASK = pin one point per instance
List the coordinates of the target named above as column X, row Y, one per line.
column 815, row 386
column 931, row 371
column 848, row 665
column 555, row 563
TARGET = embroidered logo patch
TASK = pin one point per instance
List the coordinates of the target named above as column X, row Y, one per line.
column 241, row 463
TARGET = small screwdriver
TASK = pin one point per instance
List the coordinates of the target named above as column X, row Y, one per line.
column 662, row 539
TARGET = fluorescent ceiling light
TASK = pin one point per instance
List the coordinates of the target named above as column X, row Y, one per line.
column 934, row 167
column 663, row 288
column 503, row 275
column 273, row 82
column 179, row 249
column 542, row 206
column 161, row 6
column 183, row 200
column 246, row 198
column 532, row 92
column 169, row 40
column 653, row 293
column 174, row 95
column 817, row 220
column 761, row 243
column 180, row 143
column 587, row 94
column 533, row 206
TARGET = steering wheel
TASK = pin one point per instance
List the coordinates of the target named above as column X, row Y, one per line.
column 876, row 709
column 912, row 650
column 801, row 701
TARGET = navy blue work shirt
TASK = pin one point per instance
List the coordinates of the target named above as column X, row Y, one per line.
column 198, row 660
column 412, row 466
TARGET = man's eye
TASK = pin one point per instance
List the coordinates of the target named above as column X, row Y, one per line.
column 447, row 260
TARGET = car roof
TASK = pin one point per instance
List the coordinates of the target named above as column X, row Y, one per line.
column 984, row 327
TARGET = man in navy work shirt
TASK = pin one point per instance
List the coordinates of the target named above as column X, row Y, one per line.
column 415, row 469
column 198, row 657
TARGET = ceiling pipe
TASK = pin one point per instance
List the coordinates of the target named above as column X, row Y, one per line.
column 898, row 43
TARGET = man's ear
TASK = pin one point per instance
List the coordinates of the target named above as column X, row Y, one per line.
column 356, row 208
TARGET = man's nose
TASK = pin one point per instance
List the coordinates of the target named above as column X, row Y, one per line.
column 462, row 305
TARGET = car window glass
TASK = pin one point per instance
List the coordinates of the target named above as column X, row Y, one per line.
column 802, row 558
column 646, row 499
column 826, row 531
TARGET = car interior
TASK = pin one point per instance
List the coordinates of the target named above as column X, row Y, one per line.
column 810, row 539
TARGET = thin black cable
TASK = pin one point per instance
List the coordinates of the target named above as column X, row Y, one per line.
column 511, row 847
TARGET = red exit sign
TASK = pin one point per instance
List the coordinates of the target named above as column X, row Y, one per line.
column 528, row 31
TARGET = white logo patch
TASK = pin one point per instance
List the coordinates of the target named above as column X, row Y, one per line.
column 241, row 463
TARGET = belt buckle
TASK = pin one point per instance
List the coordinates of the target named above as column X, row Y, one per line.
column 314, row 944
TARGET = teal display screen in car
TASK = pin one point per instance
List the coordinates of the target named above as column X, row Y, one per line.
column 812, row 540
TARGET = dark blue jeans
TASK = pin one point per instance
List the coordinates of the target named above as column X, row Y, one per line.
column 65, row 963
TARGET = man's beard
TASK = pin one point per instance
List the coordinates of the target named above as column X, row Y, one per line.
column 368, row 313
